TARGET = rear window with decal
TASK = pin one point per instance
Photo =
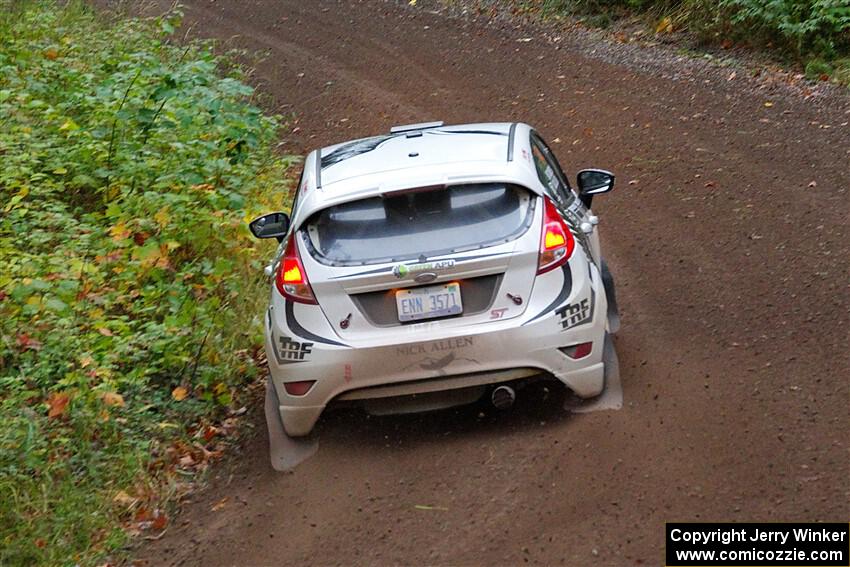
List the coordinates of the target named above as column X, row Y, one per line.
column 427, row 222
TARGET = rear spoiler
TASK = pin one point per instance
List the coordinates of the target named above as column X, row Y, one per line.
column 415, row 127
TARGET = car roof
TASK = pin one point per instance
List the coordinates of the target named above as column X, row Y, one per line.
column 415, row 156
column 430, row 146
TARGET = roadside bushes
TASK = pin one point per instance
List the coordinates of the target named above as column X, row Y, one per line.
column 804, row 27
column 805, row 30
column 129, row 289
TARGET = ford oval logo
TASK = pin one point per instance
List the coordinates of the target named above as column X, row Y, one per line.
column 425, row 278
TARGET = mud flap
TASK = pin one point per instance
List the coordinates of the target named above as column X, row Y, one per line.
column 285, row 452
column 611, row 294
column 611, row 397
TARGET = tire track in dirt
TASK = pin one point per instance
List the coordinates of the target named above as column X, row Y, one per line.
column 732, row 279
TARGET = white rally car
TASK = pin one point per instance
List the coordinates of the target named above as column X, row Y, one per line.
column 431, row 267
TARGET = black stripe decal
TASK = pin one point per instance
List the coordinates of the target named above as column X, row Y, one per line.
column 366, row 273
column 352, row 149
column 562, row 297
column 297, row 329
column 490, row 132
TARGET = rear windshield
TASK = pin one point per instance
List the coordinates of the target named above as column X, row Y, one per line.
column 428, row 222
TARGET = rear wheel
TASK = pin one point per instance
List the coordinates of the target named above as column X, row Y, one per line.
column 611, row 294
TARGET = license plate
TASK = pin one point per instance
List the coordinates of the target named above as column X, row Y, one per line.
column 428, row 302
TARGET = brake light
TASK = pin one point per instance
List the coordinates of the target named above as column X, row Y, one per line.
column 291, row 279
column 556, row 242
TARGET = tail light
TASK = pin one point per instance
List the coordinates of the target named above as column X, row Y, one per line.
column 556, row 241
column 291, row 279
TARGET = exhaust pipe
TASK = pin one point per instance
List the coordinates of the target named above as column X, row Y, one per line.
column 503, row 397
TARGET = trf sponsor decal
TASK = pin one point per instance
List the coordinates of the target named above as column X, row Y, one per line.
column 573, row 314
column 287, row 351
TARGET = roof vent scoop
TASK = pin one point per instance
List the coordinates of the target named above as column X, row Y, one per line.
column 414, row 127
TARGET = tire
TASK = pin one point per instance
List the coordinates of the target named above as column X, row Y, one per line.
column 611, row 294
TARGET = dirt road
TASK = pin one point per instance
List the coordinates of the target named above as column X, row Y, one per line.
column 732, row 271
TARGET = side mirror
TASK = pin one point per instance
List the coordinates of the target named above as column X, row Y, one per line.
column 272, row 225
column 592, row 182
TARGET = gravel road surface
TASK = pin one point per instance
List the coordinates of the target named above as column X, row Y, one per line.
column 728, row 237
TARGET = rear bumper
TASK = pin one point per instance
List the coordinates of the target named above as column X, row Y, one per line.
column 483, row 354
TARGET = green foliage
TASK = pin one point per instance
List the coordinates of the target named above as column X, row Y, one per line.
column 819, row 27
column 129, row 167
column 597, row 7
column 841, row 70
column 817, row 68
column 804, row 29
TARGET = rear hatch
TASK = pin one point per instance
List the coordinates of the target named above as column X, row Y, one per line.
column 434, row 257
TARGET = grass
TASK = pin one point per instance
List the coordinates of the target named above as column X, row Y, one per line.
column 130, row 290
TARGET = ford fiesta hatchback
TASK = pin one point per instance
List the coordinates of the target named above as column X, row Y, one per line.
column 433, row 266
